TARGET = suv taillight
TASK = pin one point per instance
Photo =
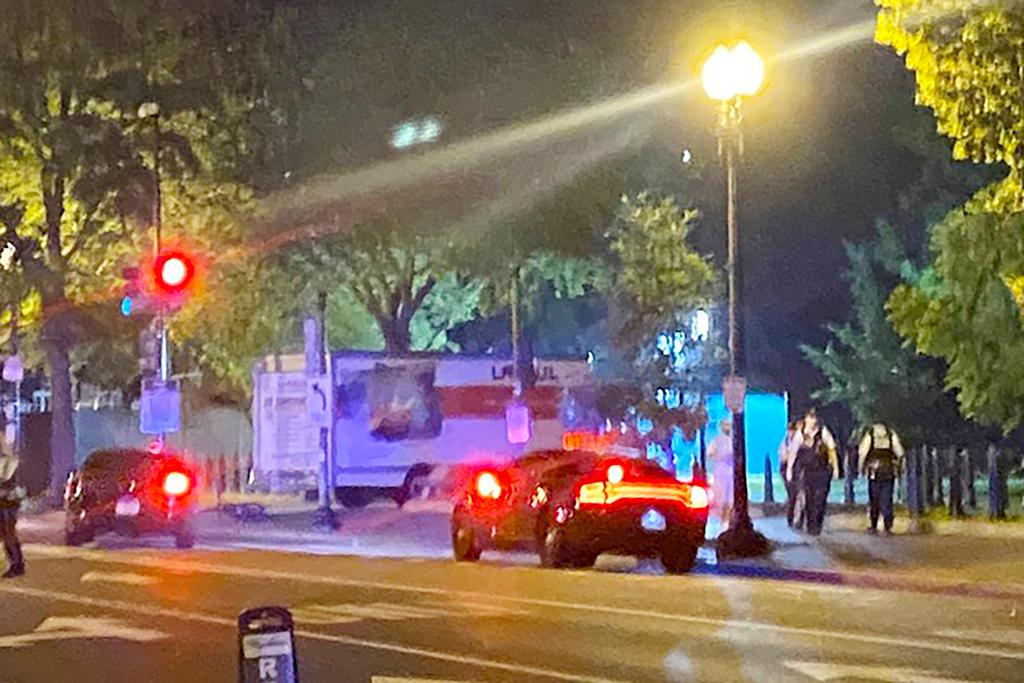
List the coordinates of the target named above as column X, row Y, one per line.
column 487, row 486
column 177, row 484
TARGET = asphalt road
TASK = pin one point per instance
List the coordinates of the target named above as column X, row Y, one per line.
column 154, row 614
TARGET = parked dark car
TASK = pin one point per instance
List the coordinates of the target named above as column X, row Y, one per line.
column 572, row 506
column 131, row 492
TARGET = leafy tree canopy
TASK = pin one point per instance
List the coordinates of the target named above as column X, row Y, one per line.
column 868, row 368
column 966, row 57
column 963, row 310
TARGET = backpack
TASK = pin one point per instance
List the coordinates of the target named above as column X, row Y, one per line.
column 881, row 459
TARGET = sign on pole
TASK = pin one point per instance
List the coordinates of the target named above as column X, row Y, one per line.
column 318, row 400
column 734, row 390
column 160, row 407
column 14, row 371
column 266, row 645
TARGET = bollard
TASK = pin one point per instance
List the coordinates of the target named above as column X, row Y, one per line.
column 851, row 476
column 266, row 646
column 996, row 506
column 913, row 473
column 971, row 476
column 769, row 483
column 956, row 501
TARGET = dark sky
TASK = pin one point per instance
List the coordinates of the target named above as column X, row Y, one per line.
column 822, row 162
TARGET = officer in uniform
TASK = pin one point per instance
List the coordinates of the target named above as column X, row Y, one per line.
column 813, row 467
column 11, row 494
column 880, row 458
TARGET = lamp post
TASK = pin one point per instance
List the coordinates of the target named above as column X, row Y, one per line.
column 729, row 75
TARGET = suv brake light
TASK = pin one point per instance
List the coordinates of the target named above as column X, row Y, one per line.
column 600, row 493
column 487, row 486
column 177, row 484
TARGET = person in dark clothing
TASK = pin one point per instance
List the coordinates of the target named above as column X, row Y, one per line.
column 881, row 454
column 11, row 494
column 787, row 452
column 814, row 466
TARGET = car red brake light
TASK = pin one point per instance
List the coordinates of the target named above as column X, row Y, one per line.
column 600, row 493
column 487, row 486
column 177, row 484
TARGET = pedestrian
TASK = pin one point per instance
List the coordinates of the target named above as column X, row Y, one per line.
column 11, row 494
column 722, row 468
column 880, row 458
column 787, row 452
column 814, row 466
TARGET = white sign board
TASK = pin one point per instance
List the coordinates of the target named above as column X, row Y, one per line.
column 14, row 371
column 734, row 390
column 318, row 400
column 160, row 407
column 285, row 437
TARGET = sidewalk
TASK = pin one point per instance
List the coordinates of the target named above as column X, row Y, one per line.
column 965, row 557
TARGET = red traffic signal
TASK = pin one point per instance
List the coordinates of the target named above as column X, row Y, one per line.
column 173, row 272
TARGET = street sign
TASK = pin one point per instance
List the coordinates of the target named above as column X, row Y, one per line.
column 266, row 646
column 318, row 400
column 14, row 371
column 734, row 389
column 160, row 407
column 518, row 427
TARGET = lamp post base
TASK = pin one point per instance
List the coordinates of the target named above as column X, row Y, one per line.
column 742, row 540
column 324, row 519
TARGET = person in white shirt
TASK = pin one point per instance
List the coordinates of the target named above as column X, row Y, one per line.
column 720, row 457
column 813, row 467
column 880, row 458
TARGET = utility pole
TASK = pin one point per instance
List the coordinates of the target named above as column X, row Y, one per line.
column 317, row 367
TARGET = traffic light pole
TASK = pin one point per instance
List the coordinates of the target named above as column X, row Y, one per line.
column 157, row 219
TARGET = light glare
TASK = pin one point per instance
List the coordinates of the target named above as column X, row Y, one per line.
column 730, row 73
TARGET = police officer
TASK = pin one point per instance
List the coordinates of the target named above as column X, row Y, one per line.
column 881, row 455
column 813, row 467
column 787, row 452
column 11, row 494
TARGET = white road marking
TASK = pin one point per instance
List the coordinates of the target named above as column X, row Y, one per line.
column 349, row 613
column 82, row 628
column 126, row 578
column 186, row 567
column 827, row 671
column 206, row 618
column 390, row 679
column 1002, row 637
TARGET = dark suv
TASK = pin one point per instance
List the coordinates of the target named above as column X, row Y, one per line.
column 131, row 492
column 571, row 506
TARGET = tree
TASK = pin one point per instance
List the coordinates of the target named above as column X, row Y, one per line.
column 659, row 282
column 966, row 309
column 74, row 179
column 966, row 58
column 391, row 270
column 867, row 366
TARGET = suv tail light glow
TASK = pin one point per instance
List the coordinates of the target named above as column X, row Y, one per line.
column 177, row 484
column 487, row 486
column 599, row 493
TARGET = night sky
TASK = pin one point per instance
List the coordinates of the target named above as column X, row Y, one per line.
column 823, row 161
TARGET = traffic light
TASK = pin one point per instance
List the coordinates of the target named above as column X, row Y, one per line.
column 173, row 272
column 160, row 284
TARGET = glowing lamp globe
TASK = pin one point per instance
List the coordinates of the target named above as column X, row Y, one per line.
column 733, row 72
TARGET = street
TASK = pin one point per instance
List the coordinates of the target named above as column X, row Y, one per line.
column 129, row 610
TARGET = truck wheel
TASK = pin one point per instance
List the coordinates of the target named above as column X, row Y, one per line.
column 352, row 497
column 464, row 545
column 678, row 558
column 415, row 485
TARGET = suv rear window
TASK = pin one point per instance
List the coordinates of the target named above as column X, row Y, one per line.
column 115, row 462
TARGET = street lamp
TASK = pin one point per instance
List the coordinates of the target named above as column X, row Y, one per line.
column 729, row 75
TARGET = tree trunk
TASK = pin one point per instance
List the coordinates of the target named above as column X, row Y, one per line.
column 57, row 342
column 397, row 335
